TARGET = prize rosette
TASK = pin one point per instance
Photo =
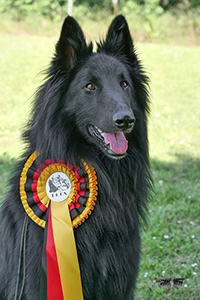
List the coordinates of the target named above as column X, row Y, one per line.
column 59, row 198
column 57, row 182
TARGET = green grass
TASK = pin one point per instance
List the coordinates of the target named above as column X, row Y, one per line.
column 171, row 244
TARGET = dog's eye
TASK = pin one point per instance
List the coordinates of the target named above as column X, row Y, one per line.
column 90, row 86
column 124, row 84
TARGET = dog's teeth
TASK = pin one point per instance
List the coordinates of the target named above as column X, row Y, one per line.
column 99, row 135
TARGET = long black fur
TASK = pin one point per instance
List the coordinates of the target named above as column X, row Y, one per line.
column 108, row 243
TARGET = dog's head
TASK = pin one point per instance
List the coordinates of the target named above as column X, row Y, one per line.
column 100, row 98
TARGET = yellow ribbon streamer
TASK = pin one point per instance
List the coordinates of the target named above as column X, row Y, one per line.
column 66, row 251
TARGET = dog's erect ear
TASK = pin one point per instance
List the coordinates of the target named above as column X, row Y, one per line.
column 118, row 40
column 71, row 45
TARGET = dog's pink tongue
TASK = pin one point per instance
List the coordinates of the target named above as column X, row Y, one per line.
column 117, row 141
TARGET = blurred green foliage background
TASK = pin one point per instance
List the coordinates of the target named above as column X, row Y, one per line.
column 150, row 20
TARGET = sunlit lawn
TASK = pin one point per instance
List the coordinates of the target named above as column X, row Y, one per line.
column 171, row 244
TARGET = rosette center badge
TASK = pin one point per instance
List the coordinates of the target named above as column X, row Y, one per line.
column 58, row 187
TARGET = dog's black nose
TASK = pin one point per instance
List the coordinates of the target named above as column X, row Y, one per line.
column 124, row 120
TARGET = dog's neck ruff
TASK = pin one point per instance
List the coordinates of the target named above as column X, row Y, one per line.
column 58, row 197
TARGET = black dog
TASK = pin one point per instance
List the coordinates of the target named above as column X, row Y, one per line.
column 92, row 106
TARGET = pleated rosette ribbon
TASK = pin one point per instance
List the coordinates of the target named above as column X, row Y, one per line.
column 59, row 198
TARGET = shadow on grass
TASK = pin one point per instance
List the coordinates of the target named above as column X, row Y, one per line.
column 184, row 164
column 171, row 241
column 177, row 181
